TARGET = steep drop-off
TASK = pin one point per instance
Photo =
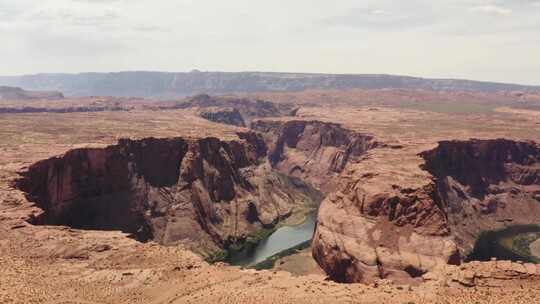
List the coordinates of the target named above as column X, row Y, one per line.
column 365, row 233
column 313, row 151
column 485, row 185
column 207, row 193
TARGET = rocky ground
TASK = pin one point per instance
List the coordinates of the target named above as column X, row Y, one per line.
column 52, row 264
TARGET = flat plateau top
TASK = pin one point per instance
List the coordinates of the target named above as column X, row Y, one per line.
column 49, row 258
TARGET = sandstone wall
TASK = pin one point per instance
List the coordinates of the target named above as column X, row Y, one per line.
column 366, row 232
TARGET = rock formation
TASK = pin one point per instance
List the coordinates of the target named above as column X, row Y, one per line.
column 313, row 151
column 229, row 116
column 248, row 109
column 212, row 194
column 207, row 193
column 364, row 233
column 485, row 185
column 14, row 93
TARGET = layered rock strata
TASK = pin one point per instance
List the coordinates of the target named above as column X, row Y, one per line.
column 313, row 151
column 208, row 193
column 366, row 232
column 248, row 109
column 485, row 185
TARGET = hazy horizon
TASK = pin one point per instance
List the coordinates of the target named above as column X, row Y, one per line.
column 484, row 40
column 273, row 72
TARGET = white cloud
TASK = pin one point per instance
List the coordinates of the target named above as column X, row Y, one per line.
column 491, row 9
column 379, row 12
column 415, row 37
column 74, row 16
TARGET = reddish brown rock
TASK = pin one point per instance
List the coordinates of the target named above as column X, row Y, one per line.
column 229, row 116
column 248, row 109
column 372, row 230
column 207, row 193
column 485, row 185
column 312, row 150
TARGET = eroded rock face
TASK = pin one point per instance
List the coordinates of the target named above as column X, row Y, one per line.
column 485, row 185
column 312, row 150
column 229, row 116
column 365, row 233
column 206, row 193
column 249, row 109
column 363, row 236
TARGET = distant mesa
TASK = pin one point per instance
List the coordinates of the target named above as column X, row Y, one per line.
column 16, row 93
column 172, row 85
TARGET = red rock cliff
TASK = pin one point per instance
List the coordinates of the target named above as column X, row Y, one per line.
column 314, row 151
column 365, row 233
column 207, row 193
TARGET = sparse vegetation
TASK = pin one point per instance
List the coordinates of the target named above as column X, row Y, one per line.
column 522, row 242
column 217, row 256
column 512, row 243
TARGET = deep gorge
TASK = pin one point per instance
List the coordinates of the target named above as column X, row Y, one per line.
column 216, row 196
column 485, row 185
column 385, row 231
column 209, row 194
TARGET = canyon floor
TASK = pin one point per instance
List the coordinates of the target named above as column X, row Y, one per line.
column 54, row 264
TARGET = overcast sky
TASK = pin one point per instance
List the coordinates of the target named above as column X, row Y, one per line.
column 495, row 40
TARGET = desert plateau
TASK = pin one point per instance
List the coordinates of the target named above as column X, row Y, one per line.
column 307, row 151
column 119, row 200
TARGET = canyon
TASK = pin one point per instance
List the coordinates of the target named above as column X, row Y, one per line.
column 208, row 194
column 141, row 199
column 364, row 233
column 214, row 196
